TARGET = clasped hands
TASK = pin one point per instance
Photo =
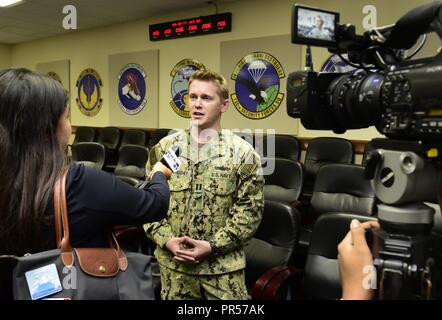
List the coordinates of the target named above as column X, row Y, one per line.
column 188, row 250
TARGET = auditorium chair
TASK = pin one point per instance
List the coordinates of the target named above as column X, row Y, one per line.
column 84, row 134
column 91, row 154
column 320, row 279
column 132, row 161
column 274, row 242
column 368, row 148
column 338, row 188
column 322, row 151
column 133, row 136
column 285, row 182
column 159, row 134
column 321, row 272
column 110, row 138
column 284, row 146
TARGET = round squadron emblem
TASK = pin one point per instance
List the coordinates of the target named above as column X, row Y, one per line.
column 89, row 99
column 179, row 87
column 54, row 76
column 335, row 64
column 257, row 84
column 132, row 88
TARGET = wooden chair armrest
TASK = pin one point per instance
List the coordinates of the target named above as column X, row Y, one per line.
column 298, row 204
column 269, row 284
column 133, row 238
column 123, row 231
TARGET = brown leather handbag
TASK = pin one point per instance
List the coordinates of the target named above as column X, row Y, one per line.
column 84, row 273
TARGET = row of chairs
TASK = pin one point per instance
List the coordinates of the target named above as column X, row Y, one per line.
column 272, row 275
column 270, row 272
column 340, row 194
column 110, row 136
column 296, row 247
column 285, row 183
column 289, row 181
column 276, row 243
column 114, row 138
column 320, row 151
column 293, row 243
column 131, row 158
column 319, row 277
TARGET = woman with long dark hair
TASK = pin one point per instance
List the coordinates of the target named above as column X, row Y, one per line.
column 34, row 133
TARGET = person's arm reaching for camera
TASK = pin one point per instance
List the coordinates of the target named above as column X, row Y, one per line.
column 354, row 256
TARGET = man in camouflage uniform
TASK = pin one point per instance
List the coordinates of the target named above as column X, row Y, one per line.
column 216, row 201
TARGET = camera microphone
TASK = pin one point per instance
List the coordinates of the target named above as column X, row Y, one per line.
column 308, row 59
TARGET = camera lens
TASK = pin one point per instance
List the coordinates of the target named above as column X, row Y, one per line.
column 355, row 100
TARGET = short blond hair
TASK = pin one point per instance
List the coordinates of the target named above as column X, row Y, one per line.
column 217, row 78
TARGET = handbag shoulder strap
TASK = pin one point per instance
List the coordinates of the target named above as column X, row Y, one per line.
column 57, row 213
column 61, row 221
column 62, row 225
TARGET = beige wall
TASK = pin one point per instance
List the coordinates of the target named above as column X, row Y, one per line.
column 5, row 56
column 251, row 19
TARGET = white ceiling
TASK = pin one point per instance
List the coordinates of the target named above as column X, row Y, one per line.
column 36, row 19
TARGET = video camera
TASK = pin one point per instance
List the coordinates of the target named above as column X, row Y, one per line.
column 403, row 99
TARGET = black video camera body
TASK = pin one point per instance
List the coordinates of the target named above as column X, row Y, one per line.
column 402, row 98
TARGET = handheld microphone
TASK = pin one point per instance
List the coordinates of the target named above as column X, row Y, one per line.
column 170, row 159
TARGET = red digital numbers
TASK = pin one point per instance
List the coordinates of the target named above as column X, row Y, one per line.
column 193, row 27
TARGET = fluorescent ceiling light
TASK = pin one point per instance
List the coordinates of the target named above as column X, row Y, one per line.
column 8, row 3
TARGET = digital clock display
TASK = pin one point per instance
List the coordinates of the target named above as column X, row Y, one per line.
column 216, row 23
